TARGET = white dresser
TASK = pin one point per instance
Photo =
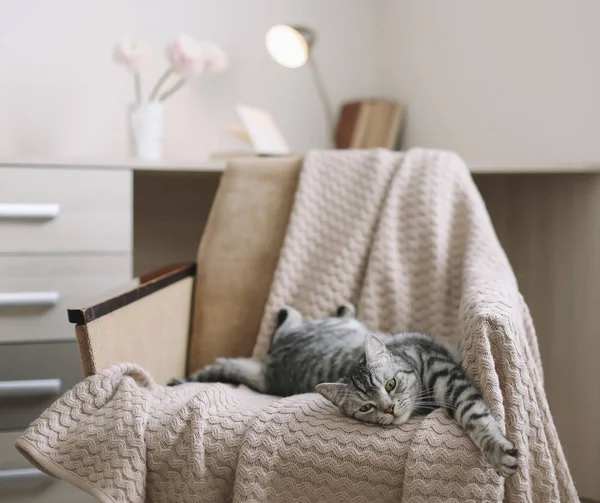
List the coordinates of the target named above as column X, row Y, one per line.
column 66, row 234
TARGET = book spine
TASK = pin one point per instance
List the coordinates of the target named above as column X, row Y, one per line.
column 378, row 125
column 395, row 126
column 363, row 120
column 346, row 124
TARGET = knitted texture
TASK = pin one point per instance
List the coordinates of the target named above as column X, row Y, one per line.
column 406, row 237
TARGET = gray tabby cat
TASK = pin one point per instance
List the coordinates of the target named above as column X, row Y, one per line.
column 383, row 378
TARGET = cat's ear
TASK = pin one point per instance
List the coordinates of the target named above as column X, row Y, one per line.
column 375, row 350
column 288, row 317
column 346, row 310
column 333, row 391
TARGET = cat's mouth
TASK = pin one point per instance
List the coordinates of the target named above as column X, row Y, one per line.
column 401, row 418
column 402, row 412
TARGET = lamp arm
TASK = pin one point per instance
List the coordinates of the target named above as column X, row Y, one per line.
column 323, row 96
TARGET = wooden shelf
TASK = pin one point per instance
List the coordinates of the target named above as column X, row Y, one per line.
column 109, row 163
column 537, row 169
column 218, row 165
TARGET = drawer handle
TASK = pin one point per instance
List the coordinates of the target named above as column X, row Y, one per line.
column 29, row 211
column 29, row 299
column 29, row 387
column 22, row 475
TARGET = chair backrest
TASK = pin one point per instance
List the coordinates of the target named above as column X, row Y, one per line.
column 238, row 254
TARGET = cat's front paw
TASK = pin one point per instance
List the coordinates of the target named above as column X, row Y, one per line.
column 504, row 459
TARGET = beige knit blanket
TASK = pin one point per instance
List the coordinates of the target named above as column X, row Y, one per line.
column 406, row 237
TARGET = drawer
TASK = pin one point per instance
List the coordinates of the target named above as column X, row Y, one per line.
column 29, row 485
column 57, row 210
column 35, row 292
column 32, row 377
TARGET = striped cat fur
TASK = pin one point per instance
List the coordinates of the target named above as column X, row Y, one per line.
column 374, row 377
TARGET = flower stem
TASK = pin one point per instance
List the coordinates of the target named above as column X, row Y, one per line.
column 160, row 82
column 173, row 90
column 138, row 88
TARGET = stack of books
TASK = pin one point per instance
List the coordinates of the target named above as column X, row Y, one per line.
column 369, row 123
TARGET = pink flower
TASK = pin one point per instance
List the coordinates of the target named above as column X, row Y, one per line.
column 214, row 57
column 189, row 56
column 186, row 56
column 131, row 52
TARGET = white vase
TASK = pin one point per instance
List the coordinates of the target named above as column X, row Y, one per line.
column 146, row 124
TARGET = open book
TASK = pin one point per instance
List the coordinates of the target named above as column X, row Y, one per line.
column 259, row 131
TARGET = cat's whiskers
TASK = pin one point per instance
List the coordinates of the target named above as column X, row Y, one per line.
column 434, row 397
column 435, row 405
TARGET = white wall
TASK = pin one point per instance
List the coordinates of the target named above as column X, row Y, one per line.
column 501, row 82
column 61, row 95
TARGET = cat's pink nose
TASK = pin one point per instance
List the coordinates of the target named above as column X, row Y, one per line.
column 389, row 410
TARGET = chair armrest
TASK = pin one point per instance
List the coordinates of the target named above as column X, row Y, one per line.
column 131, row 292
column 146, row 322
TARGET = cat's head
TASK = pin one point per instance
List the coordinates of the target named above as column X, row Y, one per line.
column 382, row 389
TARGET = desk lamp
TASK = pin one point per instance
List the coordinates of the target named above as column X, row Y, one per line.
column 290, row 46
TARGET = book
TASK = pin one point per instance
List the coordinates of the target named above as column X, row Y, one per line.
column 259, row 131
column 369, row 123
column 394, row 127
column 361, row 127
column 379, row 124
column 345, row 128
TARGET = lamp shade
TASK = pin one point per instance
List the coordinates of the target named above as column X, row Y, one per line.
column 288, row 45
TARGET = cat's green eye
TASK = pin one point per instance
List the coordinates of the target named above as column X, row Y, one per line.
column 390, row 385
column 366, row 407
